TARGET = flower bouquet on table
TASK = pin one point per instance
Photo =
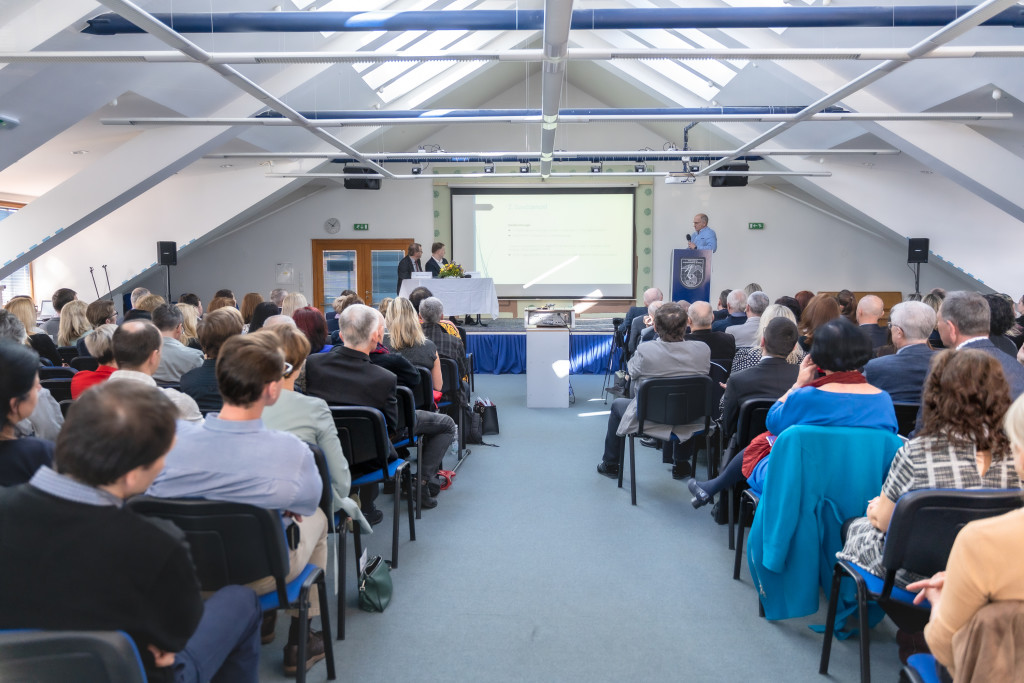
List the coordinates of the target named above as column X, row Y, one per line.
column 451, row 270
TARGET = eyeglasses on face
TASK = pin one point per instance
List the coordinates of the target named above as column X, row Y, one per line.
column 288, row 367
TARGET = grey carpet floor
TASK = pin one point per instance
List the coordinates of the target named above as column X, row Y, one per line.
column 535, row 568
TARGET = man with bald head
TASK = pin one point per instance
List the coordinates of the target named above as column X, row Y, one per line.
column 722, row 345
column 869, row 310
column 650, row 295
column 902, row 374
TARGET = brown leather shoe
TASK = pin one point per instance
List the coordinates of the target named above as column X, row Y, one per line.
column 314, row 653
column 267, row 628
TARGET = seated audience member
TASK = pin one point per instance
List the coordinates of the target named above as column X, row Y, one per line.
column 137, row 294
column 963, row 322
column 311, row 323
column 1000, row 322
column 847, row 305
column 803, row 297
column 137, row 314
column 107, row 568
column 149, row 303
column 233, row 457
column 99, row 312
column 201, row 383
column 226, row 294
column 219, row 302
column 792, row 304
column 261, row 313
column 769, row 378
column 384, row 305
column 841, row 398
column 749, row 356
column 249, row 303
column 722, row 311
column 751, row 288
column 417, row 295
column 309, row 418
column 736, row 302
column 344, row 376
column 137, row 350
column 20, row 457
column 722, row 345
column 431, row 312
column 60, row 298
column 643, row 328
column 279, row 319
column 746, row 333
column 869, row 310
column 650, row 295
column 902, row 374
column 101, row 347
column 934, row 299
column 983, row 566
column 961, row 445
column 670, row 356
column 192, row 300
column 25, row 311
column 277, row 297
column 189, row 326
column 293, row 302
column 819, row 310
column 175, row 358
column 73, row 323
column 46, row 420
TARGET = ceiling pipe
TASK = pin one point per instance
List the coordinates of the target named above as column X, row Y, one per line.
column 533, row 20
column 525, row 55
column 434, row 114
column 645, row 154
column 976, row 17
column 161, row 32
column 557, row 16
column 514, row 157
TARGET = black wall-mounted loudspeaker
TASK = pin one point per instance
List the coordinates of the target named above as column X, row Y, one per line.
column 361, row 183
column 730, row 180
column 917, row 250
column 167, row 253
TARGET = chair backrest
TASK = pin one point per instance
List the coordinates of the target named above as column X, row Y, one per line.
column 406, row 415
column 462, row 334
column 925, row 523
column 67, row 353
column 231, row 543
column 326, row 493
column 60, row 656
column 65, row 406
column 56, row 373
column 752, row 418
column 425, row 390
column 451, row 382
column 363, row 434
column 906, row 417
column 85, row 363
column 59, row 388
column 674, row 400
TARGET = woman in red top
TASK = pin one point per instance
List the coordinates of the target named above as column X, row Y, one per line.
column 100, row 347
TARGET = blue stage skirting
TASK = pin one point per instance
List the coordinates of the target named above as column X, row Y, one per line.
column 505, row 354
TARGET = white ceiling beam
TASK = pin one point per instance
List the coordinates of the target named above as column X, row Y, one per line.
column 487, row 156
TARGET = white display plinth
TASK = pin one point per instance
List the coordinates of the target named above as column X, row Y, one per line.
column 547, row 368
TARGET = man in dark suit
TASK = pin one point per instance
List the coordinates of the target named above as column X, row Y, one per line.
column 737, row 305
column 410, row 264
column 437, row 259
column 902, row 374
column 650, row 296
column 770, row 378
column 963, row 323
column 869, row 311
column 344, row 376
column 722, row 345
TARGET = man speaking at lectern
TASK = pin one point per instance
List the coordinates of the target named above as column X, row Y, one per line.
column 703, row 236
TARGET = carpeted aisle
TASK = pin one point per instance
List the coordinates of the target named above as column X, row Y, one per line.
column 535, row 568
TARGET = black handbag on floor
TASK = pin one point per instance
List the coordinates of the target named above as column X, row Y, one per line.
column 488, row 416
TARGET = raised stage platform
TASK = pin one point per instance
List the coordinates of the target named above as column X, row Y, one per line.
column 500, row 347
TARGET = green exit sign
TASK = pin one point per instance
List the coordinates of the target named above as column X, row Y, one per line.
column 755, row 226
column 360, row 226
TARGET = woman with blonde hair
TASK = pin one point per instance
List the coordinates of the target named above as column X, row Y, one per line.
column 406, row 339
column 985, row 565
column 189, row 325
column 22, row 308
column 749, row 356
column 293, row 302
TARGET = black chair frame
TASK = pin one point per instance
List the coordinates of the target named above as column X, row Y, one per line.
column 451, row 402
column 669, row 401
column 59, row 388
column 56, row 372
column 749, row 423
column 921, row 532
column 407, row 428
column 906, row 417
column 59, row 656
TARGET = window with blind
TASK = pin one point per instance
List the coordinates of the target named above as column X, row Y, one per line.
column 20, row 281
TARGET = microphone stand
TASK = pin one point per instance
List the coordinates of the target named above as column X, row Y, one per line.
column 110, row 291
column 94, row 282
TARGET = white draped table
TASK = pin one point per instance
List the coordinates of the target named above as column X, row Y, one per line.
column 460, row 295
